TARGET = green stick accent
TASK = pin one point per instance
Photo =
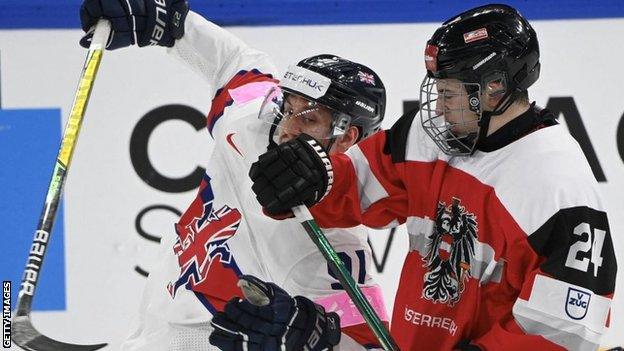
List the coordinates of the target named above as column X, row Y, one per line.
column 344, row 277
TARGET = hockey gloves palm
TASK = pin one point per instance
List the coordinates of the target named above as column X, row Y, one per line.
column 294, row 173
column 141, row 22
column 269, row 319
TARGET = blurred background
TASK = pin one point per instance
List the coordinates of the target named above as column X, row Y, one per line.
column 143, row 148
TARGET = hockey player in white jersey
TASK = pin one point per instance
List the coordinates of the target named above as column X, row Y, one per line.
column 217, row 239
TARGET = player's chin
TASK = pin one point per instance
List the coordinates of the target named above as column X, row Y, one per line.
column 457, row 130
column 285, row 138
column 463, row 129
column 280, row 216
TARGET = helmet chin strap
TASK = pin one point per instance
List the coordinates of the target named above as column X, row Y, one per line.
column 486, row 116
column 330, row 144
column 484, row 124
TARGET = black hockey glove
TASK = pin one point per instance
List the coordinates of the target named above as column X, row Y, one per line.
column 141, row 22
column 293, row 173
column 270, row 319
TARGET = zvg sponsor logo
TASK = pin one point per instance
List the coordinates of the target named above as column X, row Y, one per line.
column 577, row 303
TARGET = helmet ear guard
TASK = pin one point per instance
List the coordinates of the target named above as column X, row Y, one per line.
column 495, row 84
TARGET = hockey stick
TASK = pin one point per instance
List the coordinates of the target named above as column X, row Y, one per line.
column 344, row 277
column 25, row 335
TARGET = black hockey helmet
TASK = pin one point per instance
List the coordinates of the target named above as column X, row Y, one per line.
column 483, row 42
column 352, row 89
column 491, row 43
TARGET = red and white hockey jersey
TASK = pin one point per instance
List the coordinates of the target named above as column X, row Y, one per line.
column 509, row 249
column 224, row 233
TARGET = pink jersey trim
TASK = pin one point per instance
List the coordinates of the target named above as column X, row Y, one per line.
column 349, row 315
column 250, row 91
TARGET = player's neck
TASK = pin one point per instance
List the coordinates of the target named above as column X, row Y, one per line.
column 512, row 112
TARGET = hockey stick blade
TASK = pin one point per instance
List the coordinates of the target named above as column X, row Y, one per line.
column 28, row 338
column 24, row 334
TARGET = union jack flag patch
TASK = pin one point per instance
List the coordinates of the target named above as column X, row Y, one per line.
column 366, row 78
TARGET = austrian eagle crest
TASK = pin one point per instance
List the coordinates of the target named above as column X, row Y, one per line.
column 450, row 248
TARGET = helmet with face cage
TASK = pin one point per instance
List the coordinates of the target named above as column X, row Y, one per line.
column 488, row 44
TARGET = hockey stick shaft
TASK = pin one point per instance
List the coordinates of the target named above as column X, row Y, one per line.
column 25, row 334
column 344, row 277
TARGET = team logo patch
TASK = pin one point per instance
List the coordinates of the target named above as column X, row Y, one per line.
column 366, row 78
column 577, row 303
column 475, row 35
column 450, row 249
column 202, row 244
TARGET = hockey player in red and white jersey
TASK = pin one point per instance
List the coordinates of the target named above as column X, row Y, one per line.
column 224, row 233
column 510, row 247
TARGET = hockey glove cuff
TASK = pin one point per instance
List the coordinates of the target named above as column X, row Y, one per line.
column 291, row 174
column 269, row 319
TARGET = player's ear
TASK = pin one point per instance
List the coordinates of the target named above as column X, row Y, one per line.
column 345, row 141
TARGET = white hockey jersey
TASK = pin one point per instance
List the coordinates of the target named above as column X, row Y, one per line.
column 224, row 233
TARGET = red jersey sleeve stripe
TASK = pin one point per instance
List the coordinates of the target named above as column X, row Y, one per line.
column 376, row 199
column 223, row 99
